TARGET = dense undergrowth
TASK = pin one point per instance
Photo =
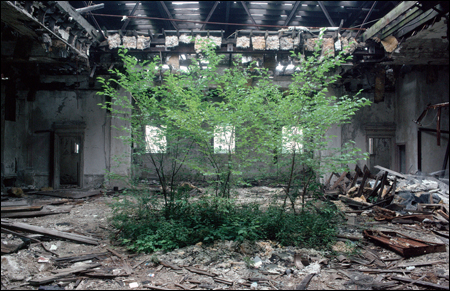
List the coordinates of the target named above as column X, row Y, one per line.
column 144, row 228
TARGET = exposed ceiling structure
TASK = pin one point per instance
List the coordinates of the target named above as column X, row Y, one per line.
column 71, row 35
column 233, row 15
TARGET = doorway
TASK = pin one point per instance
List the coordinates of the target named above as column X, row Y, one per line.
column 68, row 156
column 69, row 150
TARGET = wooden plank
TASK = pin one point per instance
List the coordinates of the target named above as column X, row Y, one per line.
column 422, row 283
column 64, row 273
column 79, row 258
column 363, row 182
column 68, row 194
column 430, row 263
column 50, row 232
column 394, row 173
column 170, row 265
column 32, row 214
column 14, row 203
column 305, row 282
column 387, row 19
column 21, row 208
column 382, row 271
column 339, row 180
column 201, row 272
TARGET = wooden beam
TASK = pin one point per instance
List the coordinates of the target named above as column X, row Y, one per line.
column 50, row 232
column 90, row 8
column 66, row 7
column 293, row 11
column 248, row 12
column 210, row 14
column 168, row 14
column 124, row 26
column 387, row 19
column 326, row 13
column 227, row 15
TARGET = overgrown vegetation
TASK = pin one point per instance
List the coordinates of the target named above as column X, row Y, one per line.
column 265, row 132
column 216, row 218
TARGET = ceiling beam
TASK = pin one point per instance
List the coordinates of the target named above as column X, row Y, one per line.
column 210, row 14
column 248, row 12
column 387, row 19
column 293, row 11
column 124, row 26
column 227, row 15
column 322, row 6
column 356, row 14
column 168, row 14
column 367, row 17
column 90, row 8
column 67, row 8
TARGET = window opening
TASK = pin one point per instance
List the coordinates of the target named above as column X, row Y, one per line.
column 77, row 148
column 224, row 140
column 370, row 145
column 291, row 140
column 155, row 140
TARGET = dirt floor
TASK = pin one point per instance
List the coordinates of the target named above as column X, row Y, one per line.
column 356, row 264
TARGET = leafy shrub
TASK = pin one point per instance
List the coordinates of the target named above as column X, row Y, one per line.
column 216, row 218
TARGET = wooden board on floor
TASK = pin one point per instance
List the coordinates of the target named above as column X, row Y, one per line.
column 45, row 231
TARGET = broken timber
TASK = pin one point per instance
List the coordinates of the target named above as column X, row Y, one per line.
column 63, row 273
column 50, row 232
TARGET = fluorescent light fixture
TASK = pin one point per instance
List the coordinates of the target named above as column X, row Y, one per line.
column 256, row 3
column 258, row 14
column 130, row 4
column 186, row 8
column 180, row 3
column 304, row 4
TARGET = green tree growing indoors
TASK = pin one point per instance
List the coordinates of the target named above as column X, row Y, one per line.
column 176, row 116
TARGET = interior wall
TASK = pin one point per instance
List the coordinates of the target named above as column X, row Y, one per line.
column 27, row 143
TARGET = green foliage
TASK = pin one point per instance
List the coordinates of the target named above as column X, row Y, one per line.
column 215, row 218
column 280, row 135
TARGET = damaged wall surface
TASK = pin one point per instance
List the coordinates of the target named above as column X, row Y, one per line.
column 30, row 148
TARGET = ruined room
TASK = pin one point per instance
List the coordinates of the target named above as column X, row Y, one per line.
column 263, row 145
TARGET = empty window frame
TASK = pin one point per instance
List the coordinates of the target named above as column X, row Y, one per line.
column 155, row 140
column 224, row 139
column 291, row 140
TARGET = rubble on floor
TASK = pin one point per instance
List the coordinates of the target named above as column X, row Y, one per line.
column 75, row 249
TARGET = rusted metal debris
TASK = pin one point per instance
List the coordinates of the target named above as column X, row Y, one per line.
column 402, row 244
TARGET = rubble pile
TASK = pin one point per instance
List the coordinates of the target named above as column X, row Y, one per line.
column 395, row 236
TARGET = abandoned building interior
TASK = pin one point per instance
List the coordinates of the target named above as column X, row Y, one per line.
column 56, row 135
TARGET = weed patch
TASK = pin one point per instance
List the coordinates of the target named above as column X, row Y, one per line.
column 216, row 218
